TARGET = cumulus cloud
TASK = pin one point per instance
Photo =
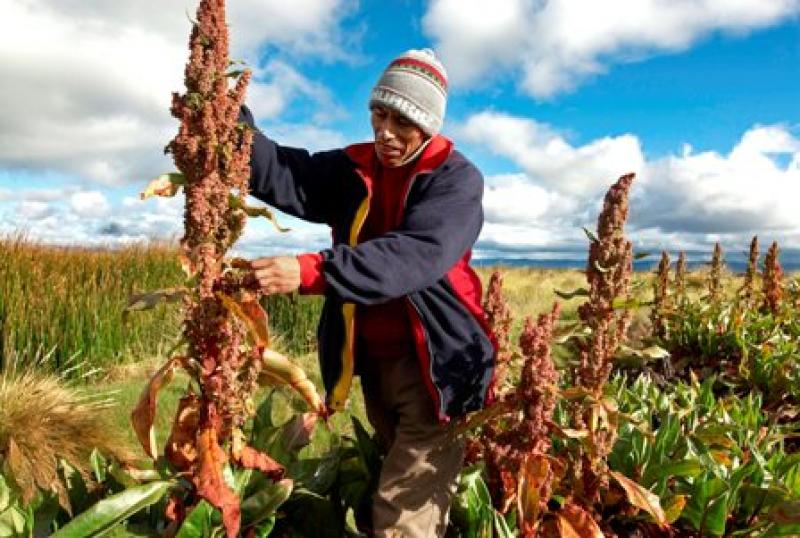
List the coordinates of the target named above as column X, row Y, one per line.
column 754, row 187
column 89, row 204
column 88, row 83
column 555, row 44
column 686, row 200
column 545, row 155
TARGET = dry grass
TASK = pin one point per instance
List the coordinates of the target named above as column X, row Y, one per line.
column 44, row 419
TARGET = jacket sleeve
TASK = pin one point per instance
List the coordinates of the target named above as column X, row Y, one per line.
column 301, row 184
column 437, row 230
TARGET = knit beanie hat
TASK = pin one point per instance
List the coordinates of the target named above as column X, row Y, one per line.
column 415, row 85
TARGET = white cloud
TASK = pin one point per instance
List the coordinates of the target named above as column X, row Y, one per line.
column 33, row 211
column 91, row 204
column 91, row 81
column 687, row 200
column 748, row 189
column 555, row 44
column 546, row 156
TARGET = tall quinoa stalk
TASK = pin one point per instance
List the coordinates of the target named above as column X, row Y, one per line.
column 498, row 317
column 773, row 275
column 715, row 274
column 514, row 443
column 749, row 286
column 661, row 297
column 225, row 328
column 608, row 273
column 680, row 278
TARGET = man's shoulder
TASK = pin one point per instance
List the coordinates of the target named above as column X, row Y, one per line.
column 459, row 166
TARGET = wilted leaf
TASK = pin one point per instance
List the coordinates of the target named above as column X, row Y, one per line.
column 250, row 458
column 250, row 312
column 480, row 418
column 279, row 370
column 166, row 185
column 534, row 474
column 574, row 522
column 150, row 299
column 297, row 432
column 144, row 413
column 641, row 497
column 211, row 485
column 785, row 513
column 673, row 507
column 180, row 448
column 236, row 202
column 576, row 393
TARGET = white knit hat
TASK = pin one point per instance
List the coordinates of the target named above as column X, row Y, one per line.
column 414, row 84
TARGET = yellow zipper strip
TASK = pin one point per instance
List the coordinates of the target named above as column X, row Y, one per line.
column 342, row 387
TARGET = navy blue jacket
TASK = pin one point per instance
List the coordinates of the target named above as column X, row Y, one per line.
column 426, row 260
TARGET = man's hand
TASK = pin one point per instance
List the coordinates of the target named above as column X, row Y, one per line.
column 278, row 274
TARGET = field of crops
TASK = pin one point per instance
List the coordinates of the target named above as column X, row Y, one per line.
column 692, row 433
column 158, row 391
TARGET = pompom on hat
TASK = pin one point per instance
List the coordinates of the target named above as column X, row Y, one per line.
column 415, row 85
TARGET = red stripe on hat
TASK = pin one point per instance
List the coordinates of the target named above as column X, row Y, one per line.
column 424, row 65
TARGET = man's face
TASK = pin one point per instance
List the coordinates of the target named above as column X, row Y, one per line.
column 396, row 137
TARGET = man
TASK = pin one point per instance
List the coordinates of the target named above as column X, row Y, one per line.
column 402, row 305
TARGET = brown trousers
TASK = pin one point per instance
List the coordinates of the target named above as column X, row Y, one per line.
column 422, row 459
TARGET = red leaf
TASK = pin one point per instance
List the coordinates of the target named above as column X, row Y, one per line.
column 575, row 522
column 144, row 413
column 210, row 484
column 180, row 449
column 250, row 458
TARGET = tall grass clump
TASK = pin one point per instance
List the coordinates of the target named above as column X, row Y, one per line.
column 44, row 420
column 70, row 300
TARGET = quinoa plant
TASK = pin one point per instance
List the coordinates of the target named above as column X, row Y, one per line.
column 714, row 281
column 661, row 302
column 773, row 285
column 225, row 332
column 748, row 289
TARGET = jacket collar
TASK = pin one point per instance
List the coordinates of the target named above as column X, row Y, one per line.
column 434, row 155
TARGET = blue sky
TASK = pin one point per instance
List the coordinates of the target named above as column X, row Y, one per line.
column 552, row 100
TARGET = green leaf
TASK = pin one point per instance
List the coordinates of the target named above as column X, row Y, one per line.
column 12, row 523
column 567, row 295
column 110, row 511
column 501, row 529
column 685, row 468
column 623, row 303
column 5, row 494
column 590, row 234
column 99, row 465
column 641, row 255
column 263, row 504
column 198, row 522
column 715, row 516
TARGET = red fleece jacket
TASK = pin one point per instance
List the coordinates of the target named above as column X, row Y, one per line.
column 383, row 329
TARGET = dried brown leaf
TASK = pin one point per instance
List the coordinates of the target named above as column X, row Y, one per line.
column 144, row 413
column 641, row 497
